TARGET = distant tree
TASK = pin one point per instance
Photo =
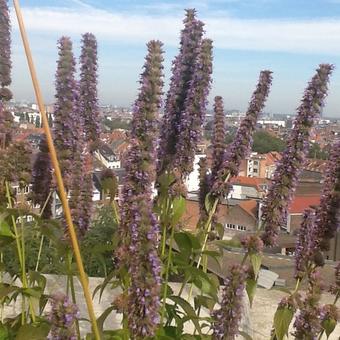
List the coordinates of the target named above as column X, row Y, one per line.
column 117, row 123
column 264, row 142
column 27, row 117
column 37, row 122
column 316, row 152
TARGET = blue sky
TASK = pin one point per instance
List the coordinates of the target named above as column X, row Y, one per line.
column 290, row 37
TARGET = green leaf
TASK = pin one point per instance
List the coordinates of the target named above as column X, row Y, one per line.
column 183, row 242
column 36, row 277
column 103, row 317
column 189, row 311
column 251, row 290
column 4, row 334
column 170, row 332
column 201, row 280
column 6, row 235
column 178, row 209
column 204, row 301
column 31, row 332
column 220, row 230
column 256, row 260
column 282, row 319
column 6, row 289
column 329, row 325
column 103, row 285
column 207, row 202
column 34, row 292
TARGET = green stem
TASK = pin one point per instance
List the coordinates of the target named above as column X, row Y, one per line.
column 167, row 274
column 73, row 292
column 39, row 253
column 21, row 255
column 164, row 214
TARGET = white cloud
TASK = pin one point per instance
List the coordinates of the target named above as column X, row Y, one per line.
column 319, row 36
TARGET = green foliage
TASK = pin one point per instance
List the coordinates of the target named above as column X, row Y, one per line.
column 329, row 325
column 264, row 142
column 316, row 152
column 117, row 123
column 99, row 243
column 282, row 319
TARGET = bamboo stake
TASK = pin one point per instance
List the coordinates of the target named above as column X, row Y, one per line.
column 82, row 275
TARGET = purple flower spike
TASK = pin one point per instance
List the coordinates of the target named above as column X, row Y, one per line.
column 88, row 87
column 218, row 139
column 226, row 320
column 328, row 213
column 305, row 244
column 280, row 194
column 147, row 106
column 42, row 179
column 241, row 146
column 65, row 110
column 62, row 317
column 139, row 230
column 204, row 186
column 6, row 119
column 192, row 117
column 85, row 199
column 183, row 71
column 5, row 45
column 307, row 323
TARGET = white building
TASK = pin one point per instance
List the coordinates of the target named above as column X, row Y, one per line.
column 193, row 180
column 107, row 157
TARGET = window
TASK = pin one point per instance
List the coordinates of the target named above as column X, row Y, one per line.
column 235, row 227
column 256, row 162
column 255, row 170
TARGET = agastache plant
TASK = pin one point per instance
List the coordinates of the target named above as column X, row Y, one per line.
column 218, row 138
column 204, row 186
column 226, row 320
column 85, row 200
column 6, row 119
column 241, row 146
column 42, row 179
column 5, row 45
column 65, row 108
column 192, row 118
column 305, row 244
column 139, row 230
column 328, row 213
column 62, row 317
column 88, row 87
column 183, row 71
column 280, row 193
column 307, row 323
column 80, row 188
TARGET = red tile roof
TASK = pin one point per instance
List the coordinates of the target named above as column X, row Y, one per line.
column 272, row 157
column 249, row 206
column 250, row 181
column 300, row 203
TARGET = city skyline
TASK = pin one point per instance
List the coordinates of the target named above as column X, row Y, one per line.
column 289, row 38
